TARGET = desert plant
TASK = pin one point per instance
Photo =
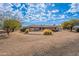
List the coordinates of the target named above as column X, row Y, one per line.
column 47, row 32
column 70, row 24
column 23, row 29
column 26, row 31
column 10, row 25
column 77, row 30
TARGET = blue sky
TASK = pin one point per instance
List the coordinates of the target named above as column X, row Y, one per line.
column 40, row 13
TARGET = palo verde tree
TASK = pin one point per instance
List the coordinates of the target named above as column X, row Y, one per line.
column 70, row 24
column 10, row 25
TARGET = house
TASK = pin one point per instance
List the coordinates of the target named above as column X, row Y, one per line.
column 42, row 27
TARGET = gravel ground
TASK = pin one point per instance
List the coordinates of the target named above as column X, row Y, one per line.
column 36, row 44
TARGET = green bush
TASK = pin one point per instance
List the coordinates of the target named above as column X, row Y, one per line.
column 22, row 29
column 12, row 24
column 70, row 24
column 77, row 30
column 47, row 32
column 26, row 31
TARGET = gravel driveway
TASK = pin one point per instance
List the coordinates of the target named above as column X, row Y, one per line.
column 35, row 43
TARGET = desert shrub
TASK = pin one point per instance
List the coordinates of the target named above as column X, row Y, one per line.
column 10, row 25
column 26, row 31
column 77, row 30
column 47, row 32
column 70, row 24
column 23, row 29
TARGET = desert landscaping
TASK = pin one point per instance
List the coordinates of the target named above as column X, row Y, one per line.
column 39, row 29
column 37, row 44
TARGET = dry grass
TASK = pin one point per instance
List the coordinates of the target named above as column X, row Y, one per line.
column 34, row 43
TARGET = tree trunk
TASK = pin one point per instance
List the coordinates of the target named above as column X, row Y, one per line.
column 8, row 31
column 13, row 30
column 71, row 29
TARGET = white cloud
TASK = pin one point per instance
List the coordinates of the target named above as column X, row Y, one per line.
column 17, row 4
column 55, row 11
column 6, row 10
column 74, row 8
column 53, row 5
column 23, row 6
column 54, row 15
column 62, row 16
column 42, row 5
column 75, row 15
column 36, row 12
